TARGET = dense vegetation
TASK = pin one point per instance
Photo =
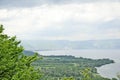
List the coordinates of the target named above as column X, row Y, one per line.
column 14, row 65
column 78, row 68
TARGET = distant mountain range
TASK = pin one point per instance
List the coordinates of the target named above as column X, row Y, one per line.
column 65, row 44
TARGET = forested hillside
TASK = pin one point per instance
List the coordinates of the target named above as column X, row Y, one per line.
column 59, row 67
column 69, row 67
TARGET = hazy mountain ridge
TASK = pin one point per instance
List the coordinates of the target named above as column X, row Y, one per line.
column 65, row 44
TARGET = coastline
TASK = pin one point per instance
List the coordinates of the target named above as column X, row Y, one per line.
column 109, row 70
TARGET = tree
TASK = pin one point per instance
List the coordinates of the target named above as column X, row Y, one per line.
column 114, row 79
column 87, row 74
column 14, row 65
column 67, row 78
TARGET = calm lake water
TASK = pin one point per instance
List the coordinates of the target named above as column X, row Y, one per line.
column 109, row 70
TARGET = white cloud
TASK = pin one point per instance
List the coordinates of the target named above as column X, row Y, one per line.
column 27, row 21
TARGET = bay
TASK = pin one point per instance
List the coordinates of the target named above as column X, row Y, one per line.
column 109, row 70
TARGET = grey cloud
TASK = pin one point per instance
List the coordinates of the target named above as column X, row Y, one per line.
column 72, row 28
column 32, row 3
column 105, row 27
column 67, row 28
column 112, row 24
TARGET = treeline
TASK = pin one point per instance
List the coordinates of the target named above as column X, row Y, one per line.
column 70, row 68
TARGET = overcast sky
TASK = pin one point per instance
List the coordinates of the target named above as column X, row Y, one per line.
column 61, row 19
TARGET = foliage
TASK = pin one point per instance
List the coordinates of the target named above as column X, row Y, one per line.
column 70, row 68
column 14, row 65
column 67, row 78
column 114, row 79
column 87, row 74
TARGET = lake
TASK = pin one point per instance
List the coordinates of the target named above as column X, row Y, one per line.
column 109, row 70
